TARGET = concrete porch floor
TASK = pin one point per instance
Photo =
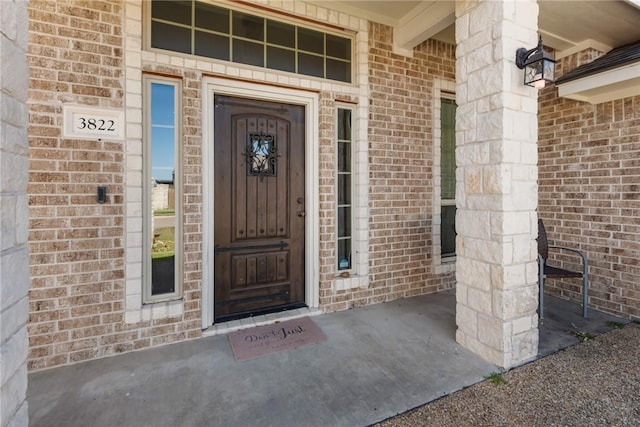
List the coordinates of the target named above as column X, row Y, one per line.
column 378, row 361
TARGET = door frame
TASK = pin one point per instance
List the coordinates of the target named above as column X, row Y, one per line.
column 212, row 86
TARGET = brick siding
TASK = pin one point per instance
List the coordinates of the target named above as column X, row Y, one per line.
column 75, row 56
column 589, row 175
column 401, row 164
column 400, row 175
column 79, row 290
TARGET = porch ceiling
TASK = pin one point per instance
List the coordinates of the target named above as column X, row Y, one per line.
column 566, row 26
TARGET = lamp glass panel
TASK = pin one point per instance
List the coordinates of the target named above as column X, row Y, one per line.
column 533, row 73
column 549, row 70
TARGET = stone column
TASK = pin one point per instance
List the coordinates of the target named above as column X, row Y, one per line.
column 496, row 193
column 14, row 215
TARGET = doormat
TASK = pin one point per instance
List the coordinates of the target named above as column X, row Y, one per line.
column 256, row 342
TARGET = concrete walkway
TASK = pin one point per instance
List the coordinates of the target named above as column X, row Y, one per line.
column 378, row 361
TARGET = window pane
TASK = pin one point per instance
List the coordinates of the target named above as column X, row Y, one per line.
column 448, row 149
column 338, row 47
column 248, row 53
column 211, row 45
column 212, row 18
column 162, row 112
column 344, row 124
column 248, row 26
column 338, row 70
column 281, row 34
column 170, row 37
column 281, row 59
column 448, row 230
column 344, row 157
column 174, row 11
column 344, row 222
column 162, row 152
column 163, row 267
column 344, row 254
column 344, row 189
column 310, row 65
column 310, row 40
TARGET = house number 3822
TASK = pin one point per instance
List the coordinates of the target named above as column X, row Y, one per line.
column 90, row 123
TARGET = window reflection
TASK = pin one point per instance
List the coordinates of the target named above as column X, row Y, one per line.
column 163, row 189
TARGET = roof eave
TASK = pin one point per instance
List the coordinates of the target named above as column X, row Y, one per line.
column 607, row 85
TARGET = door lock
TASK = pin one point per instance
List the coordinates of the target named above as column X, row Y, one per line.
column 301, row 213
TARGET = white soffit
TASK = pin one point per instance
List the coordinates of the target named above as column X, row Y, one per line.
column 423, row 22
column 584, row 45
column 606, row 86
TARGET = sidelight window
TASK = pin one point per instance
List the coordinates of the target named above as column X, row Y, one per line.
column 162, row 190
column 344, row 188
column 448, row 177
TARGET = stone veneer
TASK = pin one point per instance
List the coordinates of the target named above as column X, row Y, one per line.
column 14, row 257
column 496, row 194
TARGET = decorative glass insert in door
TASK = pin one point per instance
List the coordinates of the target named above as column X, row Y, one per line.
column 262, row 155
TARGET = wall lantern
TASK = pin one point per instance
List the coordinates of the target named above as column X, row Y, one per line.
column 539, row 67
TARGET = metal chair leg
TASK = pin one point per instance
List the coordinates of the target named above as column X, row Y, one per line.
column 584, row 297
column 585, row 287
column 541, row 284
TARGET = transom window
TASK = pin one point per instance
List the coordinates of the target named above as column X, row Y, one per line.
column 202, row 29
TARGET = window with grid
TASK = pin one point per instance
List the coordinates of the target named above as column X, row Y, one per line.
column 344, row 182
column 448, row 177
column 203, row 29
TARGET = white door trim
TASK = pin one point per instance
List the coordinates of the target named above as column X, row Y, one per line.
column 219, row 86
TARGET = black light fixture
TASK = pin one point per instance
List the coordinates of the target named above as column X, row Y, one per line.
column 539, row 66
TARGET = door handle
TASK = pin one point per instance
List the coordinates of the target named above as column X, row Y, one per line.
column 301, row 213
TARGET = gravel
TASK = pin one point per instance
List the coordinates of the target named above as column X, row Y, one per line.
column 595, row 383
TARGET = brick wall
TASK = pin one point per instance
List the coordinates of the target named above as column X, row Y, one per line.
column 85, row 297
column 400, row 175
column 14, row 256
column 76, row 296
column 589, row 188
column 401, row 162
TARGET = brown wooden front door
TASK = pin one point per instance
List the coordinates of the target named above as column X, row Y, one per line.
column 259, row 207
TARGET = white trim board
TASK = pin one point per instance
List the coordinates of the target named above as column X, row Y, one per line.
column 219, row 86
column 621, row 82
